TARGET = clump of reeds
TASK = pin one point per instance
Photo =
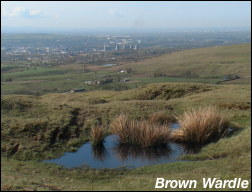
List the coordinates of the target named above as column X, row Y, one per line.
column 141, row 133
column 120, row 126
column 161, row 118
column 97, row 135
column 201, row 126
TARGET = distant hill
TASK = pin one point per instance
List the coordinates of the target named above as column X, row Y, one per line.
column 202, row 62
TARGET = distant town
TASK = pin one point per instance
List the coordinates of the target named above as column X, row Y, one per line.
column 48, row 50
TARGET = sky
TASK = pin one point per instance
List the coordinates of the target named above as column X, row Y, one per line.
column 125, row 14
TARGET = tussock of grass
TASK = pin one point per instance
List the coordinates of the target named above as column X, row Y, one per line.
column 141, row 133
column 201, row 126
column 97, row 135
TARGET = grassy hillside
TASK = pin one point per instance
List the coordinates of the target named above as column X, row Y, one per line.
column 205, row 62
column 46, row 126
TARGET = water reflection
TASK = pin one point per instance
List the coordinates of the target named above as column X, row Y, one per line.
column 99, row 152
column 127, row 151
column 190, row 149
column 114, row 155
column 175, row 126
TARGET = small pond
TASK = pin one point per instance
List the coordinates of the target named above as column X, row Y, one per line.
column 113, row 155
column 109, row 64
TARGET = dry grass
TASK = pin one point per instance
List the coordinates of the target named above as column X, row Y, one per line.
column 97, row 135
column 201, row 126
column 141, row 133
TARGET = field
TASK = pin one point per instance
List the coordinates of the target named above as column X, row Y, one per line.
column 43, row 126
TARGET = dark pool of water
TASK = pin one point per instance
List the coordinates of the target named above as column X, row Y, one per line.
column 113, row 155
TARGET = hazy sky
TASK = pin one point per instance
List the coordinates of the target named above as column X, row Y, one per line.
column 154, row 14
